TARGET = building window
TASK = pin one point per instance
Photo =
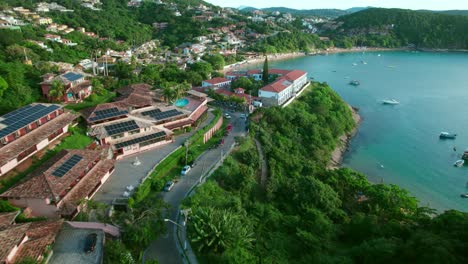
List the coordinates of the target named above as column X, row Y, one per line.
column 117, row 136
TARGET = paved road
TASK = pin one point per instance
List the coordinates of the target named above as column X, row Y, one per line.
column 127, row 174
column 164, row 249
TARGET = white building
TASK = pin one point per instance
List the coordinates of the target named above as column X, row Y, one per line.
column 284, row 88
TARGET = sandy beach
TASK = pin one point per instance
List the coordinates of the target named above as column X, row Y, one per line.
column 260, row 59
column 344, row 140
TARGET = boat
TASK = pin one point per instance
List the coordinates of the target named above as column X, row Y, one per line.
column 354, row 64
column 354, row 83
column 391, row 66
column 363, row 62
column 378, row 55
column 459, row 163
column 464, row 195
column 447, row 135
column 390, row 102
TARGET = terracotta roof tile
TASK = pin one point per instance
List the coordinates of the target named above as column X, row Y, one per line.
column 277, row 86
column 7, row 219
column 11, row 237
column 13, row 149
column 216, row 80
column 42, row 184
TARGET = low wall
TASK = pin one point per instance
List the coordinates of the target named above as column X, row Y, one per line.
column 209, row 134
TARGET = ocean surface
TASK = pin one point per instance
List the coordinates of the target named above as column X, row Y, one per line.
column 400, row 144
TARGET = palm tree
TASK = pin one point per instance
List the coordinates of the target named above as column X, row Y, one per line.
column 98, row 87
column 168, row 93
column 215, row 230
column 180, row 89
column 57, row 90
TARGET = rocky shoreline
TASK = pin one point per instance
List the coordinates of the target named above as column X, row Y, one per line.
column 343, row 144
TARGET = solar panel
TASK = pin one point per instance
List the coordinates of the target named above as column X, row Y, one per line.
column 71, row 76
column 162, row 115
column 158, row 135
column 67, row 166
column 108, row 113
column 121, row 127
column 24, row 116
column 151, row 112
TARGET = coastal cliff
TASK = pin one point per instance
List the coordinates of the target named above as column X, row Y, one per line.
column 344, row 140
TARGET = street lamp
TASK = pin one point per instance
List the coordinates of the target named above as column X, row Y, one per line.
column 169, row 220
column 185, row 240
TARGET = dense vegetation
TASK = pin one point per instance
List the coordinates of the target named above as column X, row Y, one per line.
column 306, row 214
column 289, row 42
column 399, row 27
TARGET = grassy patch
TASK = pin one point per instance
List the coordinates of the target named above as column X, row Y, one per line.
column 77, row 139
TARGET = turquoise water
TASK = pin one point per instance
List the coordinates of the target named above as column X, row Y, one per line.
column 181, row 102
column 433, row 92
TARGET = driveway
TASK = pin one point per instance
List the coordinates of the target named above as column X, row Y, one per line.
column 128, row 174
column 164, row 249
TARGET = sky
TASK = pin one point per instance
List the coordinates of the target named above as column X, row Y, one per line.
column 344, row 4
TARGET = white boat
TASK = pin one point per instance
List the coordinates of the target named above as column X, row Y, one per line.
column 390, row 102
column 363, row 62
column 378, row 55
column 447, row 135
column 354, row 64
column 459, row 163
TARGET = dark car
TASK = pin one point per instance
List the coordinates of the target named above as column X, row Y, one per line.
column 90, row 243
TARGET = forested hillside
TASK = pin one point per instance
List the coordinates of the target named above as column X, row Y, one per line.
column 399, row 27
column 307, row 214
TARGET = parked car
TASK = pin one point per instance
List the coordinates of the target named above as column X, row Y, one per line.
column 185, row 170
column 228, row 116
column 243, row 116
column 168, row 186
column 90, row 243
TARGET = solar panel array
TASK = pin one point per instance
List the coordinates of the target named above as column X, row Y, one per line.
column 24, row 116
column 151, row 112
column 121, row 127
column 71, row 76
column 163, row 115
column 140, row 139
column 67, row 166
column 107, row 113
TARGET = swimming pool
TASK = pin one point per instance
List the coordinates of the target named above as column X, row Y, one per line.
column 181, row 102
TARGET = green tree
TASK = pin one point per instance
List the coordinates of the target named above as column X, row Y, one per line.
column 57, row 90
column 202, row 68
column 3, row 86
column 217, row 230
column 98, row 87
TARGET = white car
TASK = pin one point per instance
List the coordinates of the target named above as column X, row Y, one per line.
column 228, row 116
column 168, row 186
column 185, row 170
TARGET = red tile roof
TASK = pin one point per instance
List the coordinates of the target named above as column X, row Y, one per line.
column 7, row 219
column 278, row 71
column 40, row 235
column 42, row 184
column 224, row 92
column 216, row 80
column 251, row 72
column 11, row 237
column 140, row 88
column 294, row 75
column 277, row 86
column 13, row 149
